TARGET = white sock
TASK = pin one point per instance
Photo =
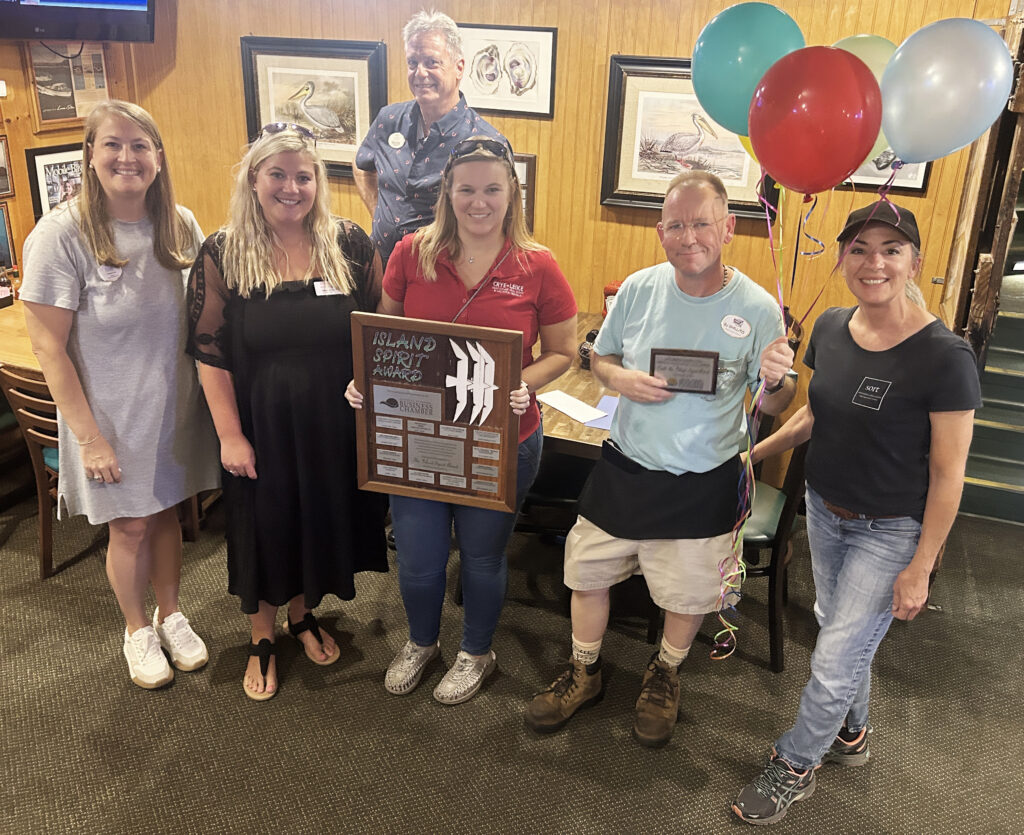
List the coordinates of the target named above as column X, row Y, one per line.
column 586, row 653
column 670, row 655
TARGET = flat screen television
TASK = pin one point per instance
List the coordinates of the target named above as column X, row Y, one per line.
column 77, row 20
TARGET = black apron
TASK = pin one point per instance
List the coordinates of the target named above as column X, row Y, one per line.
column 628, row 501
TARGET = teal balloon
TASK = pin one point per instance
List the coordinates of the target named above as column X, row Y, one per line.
column 943, row 88
column 733, row 51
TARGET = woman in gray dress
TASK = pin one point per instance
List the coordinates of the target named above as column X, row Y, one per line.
column 105, row 308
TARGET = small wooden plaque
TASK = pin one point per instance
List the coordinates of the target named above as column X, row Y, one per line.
column 435, row 422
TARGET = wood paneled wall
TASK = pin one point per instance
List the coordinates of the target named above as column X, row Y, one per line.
column 191, row 80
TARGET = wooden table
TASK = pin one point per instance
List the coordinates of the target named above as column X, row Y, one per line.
column 15, row 348
column 561, row 432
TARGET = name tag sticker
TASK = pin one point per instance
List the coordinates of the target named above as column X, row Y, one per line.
column 396, row 140
column 322, row 288
column 871, row 392
column 109, row 272
column 735, row 326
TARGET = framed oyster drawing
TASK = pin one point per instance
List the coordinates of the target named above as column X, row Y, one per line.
column 509, row 69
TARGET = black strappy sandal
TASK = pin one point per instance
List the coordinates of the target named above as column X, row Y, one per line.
column 309, row 623
column 264, row 649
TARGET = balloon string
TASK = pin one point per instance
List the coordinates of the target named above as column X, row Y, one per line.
column 821, row 244
column 883, row 193
column 775, row 250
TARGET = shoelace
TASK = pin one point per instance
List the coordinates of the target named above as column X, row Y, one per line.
column 148, row 649
column 775, row 778
column 659, row 688
column 177, row 632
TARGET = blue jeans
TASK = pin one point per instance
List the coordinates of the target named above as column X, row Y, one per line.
column 423, row 537
column 855, row 564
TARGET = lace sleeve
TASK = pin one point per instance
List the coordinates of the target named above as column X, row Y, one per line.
column 365, row 263
column 207, row 299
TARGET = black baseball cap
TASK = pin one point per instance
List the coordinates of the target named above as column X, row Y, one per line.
column 882, row 211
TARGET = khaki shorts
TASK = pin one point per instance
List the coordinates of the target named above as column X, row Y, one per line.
column 682, row 574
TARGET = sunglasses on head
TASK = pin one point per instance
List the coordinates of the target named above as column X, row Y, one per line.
column 281, row 127
column 471, row 146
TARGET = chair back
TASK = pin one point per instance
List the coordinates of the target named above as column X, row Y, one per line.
column 33, row 408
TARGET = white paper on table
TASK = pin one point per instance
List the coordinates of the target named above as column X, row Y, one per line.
column 576, row 409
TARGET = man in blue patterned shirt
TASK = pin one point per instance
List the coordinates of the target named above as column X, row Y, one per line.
column 398, row 167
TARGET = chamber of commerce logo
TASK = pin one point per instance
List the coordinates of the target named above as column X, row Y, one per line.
column 473, row 381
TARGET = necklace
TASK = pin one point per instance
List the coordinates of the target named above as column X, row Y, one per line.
column 471, row 259
column 725, row 275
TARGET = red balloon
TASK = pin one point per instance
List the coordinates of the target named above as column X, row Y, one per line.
column 814, row 117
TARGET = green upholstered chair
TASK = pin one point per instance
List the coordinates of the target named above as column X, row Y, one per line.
column 769, row 528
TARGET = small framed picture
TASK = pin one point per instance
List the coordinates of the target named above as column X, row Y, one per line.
column 6, row 238
column 6, row 177
column 911, row 177
column 54, row 174
column 68, row 81
column 526, row 171
column 334, row 88
column 509, row 69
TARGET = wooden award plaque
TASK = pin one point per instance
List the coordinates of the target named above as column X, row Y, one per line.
column 435, row 422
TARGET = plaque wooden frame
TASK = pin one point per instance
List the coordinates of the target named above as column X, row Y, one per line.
column 411, row 377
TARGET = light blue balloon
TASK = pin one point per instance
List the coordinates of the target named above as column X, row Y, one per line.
column 733, row 51
column 943, row 87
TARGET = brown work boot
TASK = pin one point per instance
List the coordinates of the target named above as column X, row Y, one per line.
column 658, row 706
column 574, row 689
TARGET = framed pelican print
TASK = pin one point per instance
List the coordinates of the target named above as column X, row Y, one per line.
column 509, row 69
column 656, row 128
column 333, row 88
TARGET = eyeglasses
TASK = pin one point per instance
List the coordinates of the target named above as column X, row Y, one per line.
column 280, row 127
column 471, row 146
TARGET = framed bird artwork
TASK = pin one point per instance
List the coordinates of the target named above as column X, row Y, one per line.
column 656, row 128
column 334, row 88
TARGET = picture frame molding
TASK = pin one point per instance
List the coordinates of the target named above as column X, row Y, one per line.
column 856, row 183
column 372, row 53
column 5, row 220
column 528, row 185
column 5, row 157
column 41, row 125
column 35, row 159
column 622, row 67
column 549, row 111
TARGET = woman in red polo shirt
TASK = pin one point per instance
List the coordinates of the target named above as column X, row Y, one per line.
column 476, row 264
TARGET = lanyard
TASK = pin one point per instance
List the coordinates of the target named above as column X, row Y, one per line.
column 481, row 285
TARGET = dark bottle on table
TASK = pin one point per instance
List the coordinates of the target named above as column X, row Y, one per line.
column 6, row 290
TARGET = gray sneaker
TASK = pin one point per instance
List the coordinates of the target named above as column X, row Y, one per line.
column 464, row 678
column 405, row 672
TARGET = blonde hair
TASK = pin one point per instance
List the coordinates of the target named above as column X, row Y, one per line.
column 248, row 260
column 443, row 233
column 174, row 242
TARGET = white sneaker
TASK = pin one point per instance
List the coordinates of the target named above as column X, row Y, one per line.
column 146, row 662
column 405, row 672
column 464, row 678
column 187, row 650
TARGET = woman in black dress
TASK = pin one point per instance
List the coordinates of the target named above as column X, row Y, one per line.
column 269, row 302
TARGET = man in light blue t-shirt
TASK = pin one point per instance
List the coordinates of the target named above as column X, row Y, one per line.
column 683, row 342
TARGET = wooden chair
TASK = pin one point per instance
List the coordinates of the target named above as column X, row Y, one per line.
column 770, row 527
column 36, row 414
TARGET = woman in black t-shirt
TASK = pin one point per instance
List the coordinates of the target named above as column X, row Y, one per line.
column 889, row 416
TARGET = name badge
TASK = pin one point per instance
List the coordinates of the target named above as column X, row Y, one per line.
column 695, row 372
column 109, row 272
column 396, row 140
column 322, row 288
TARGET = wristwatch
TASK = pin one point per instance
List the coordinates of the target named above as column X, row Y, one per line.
column 777, row 387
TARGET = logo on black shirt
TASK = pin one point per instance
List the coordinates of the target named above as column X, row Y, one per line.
column 871, row 393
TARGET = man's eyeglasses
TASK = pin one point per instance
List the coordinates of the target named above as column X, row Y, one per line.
column 280, row 127
column 468, row 147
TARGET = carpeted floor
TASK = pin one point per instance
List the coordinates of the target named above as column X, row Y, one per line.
column 84, row 750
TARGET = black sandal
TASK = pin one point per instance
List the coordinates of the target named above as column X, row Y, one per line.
column 309, row 623
column 264, row 649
